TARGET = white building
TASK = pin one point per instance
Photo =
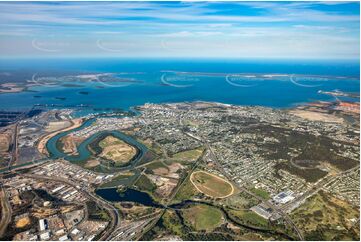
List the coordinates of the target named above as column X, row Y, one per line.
column 283, row 197
column 42, row 224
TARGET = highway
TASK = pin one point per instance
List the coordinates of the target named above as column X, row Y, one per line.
column 225, row 174
column 14, row 155
column 174, row 194
column 316, row 188
column 129, row 231
column 113, row 212
column 14, row 146
column 137, row 229
column 5, row 211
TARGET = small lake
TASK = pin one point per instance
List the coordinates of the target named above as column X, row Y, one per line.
column 129, row 195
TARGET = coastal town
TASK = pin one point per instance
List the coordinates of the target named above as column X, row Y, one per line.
column 251, row 169
column 180, row 120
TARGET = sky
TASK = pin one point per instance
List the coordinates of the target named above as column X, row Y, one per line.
column 297, row 30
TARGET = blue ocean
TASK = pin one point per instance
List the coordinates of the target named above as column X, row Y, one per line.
column 271, row 83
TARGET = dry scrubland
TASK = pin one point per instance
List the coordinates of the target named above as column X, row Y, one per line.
column 116, row 150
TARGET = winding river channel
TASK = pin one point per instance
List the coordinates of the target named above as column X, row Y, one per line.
column 143, row 198
column 129, row 195
column 83, row 149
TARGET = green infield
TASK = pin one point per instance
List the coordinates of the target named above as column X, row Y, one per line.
column 211, row 185
column 203, row 217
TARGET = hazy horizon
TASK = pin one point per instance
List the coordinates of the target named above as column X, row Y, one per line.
column 258, row 30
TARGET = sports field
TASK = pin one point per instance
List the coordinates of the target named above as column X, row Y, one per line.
column 202, row 217
column 211, row 185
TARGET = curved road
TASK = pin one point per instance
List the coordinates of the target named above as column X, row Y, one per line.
column 220, row 168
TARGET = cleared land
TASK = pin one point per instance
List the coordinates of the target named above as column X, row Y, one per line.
column 5, row 212
column 54, row 126
column 91, row 163
column 211, row 185
column 116, row 150
column 161, row 169
column 203, row 217
column 249, row 218
column 70, row 144
column 317, row 116
column 21, row 223
column 42, row 142
column 5, row 140
column 119, row 180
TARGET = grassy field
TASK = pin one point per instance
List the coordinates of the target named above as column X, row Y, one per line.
column 118, row 180
column 248, row 217
column 211, row 185
column 97, row 213
column 202, row 217
column 189, row 155
column 239, row 202
column 260, row 192
column 144, row 184
column 324, row 217
column 156, row 165
column 187, row 191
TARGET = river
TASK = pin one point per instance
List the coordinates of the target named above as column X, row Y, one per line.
column 83, row 149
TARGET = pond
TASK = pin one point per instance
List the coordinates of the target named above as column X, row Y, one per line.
column 129, row 195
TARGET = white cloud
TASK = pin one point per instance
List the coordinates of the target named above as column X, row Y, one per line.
column 191, row 28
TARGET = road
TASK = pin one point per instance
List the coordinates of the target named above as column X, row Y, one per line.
column 129, row 231
column 316, row 188
column 14, row 155
column 5, row 211
column 281, row 212
column 173, row 194
column 113, row 212
column 114, row 230
column 14, row 147
column 214, row 158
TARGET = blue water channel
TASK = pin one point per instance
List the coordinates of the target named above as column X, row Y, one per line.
column 83, row 150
